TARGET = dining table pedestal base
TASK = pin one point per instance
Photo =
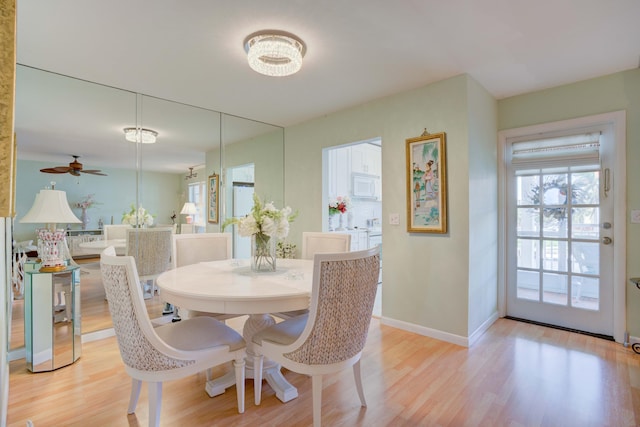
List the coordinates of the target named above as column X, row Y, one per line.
column 271, row 370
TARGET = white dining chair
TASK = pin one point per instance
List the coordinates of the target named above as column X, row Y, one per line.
column 319, row 242
column 190, row 249
column 151, row 250
column 115, row 231
column 332, row 335
column 316, row 243
column 167, row 352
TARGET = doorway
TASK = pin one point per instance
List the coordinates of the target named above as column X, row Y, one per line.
column 242, row 189
column 560, row 246
column 353, row 173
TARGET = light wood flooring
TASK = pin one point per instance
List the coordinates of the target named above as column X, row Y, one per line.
column 517, row 374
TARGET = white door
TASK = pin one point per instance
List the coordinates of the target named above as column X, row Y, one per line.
column 559, row 229
column 242, row 204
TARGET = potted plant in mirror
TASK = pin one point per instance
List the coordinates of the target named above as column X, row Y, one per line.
column 137, row 217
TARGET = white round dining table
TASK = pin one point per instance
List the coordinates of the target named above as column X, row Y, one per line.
column 231, row 287
column 120, row 245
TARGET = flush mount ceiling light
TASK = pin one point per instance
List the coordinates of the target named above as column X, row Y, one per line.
column 274, row 53
column 145, row 136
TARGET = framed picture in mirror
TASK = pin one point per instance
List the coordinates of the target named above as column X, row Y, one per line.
column 426, row 184
column 212, row 206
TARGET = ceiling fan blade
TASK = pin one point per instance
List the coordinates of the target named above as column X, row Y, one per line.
column 93, row 172
column 59, row 169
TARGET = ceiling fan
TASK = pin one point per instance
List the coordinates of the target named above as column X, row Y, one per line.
column 74, row 169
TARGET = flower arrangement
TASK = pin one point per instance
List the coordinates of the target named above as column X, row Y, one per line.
column 286, row 250
column 87, row 202
column 264, row 224
column 138, row 217
column 339, row 205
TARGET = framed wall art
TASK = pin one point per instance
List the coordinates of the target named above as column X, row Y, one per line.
column 213, row 205
column 427, row 184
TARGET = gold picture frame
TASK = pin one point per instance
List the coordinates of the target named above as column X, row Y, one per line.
column 427, row 184
column 212, row 199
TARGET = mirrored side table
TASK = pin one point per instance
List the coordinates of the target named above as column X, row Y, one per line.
column 52, row 333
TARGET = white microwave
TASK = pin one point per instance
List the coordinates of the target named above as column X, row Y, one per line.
column 364, row 186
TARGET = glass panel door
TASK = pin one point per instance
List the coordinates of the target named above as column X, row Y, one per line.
column 559, row 255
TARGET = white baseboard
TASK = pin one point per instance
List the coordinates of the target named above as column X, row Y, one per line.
column 483, row 328
column 98, row 335
column 440, row 335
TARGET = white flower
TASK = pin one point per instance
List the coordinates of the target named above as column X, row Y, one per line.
column 248, row 226
column 264, row 219
column 137, row 217
column 283, row 228
column 269, row 226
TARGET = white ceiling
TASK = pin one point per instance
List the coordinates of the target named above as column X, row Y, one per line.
column 357, row 50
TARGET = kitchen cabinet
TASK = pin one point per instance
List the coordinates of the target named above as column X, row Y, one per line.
column 366, row 159
column 339, row 173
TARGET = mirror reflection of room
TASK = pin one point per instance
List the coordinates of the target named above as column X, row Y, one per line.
column 138, row 184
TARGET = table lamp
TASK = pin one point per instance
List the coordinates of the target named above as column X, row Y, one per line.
column 50, row 207
column 189, row 209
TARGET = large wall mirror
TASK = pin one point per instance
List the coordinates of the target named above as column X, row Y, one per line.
column 58, row 117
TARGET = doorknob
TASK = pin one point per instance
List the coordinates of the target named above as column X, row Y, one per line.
column 607, row 240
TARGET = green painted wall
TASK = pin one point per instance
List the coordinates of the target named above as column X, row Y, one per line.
column 425, row 276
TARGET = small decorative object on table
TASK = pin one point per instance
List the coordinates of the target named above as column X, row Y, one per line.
column 265, row 224
column 338, row 206
column 137, row 218
column 285, row 250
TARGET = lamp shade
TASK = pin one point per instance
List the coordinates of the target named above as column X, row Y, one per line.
column 50, row 206
column 189, row 209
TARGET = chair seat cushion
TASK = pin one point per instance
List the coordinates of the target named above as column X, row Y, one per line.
column 284, row 332
column 199, row 333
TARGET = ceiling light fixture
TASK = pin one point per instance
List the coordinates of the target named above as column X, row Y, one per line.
column 145, row 136
column 274, row 53
column 191, row 174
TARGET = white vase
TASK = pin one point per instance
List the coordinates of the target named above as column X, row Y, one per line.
column 263, row 253
column 332, row 226
column 340, row 222
column 84, row 218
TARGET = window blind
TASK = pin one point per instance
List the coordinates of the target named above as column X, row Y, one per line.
column 574, row 149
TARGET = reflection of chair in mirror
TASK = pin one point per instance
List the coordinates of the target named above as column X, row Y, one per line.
column 316, row 243
column 115, row 231
column 151, row 250
column 332, row 335
column 168, row 352
column 194, row 248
